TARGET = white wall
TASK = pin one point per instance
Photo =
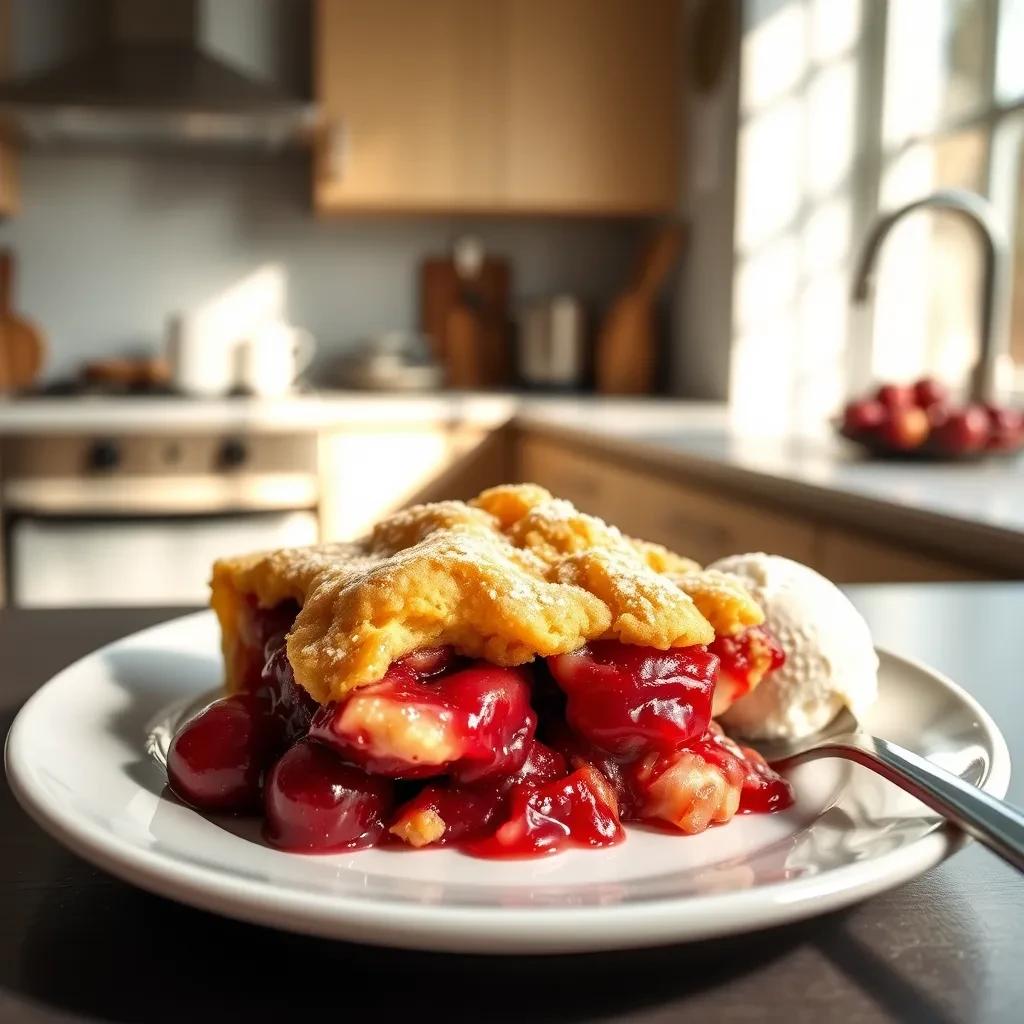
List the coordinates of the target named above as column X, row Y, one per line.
column 703, row 324
column 109, row 245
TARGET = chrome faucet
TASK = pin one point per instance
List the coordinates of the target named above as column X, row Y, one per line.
column 981, row 214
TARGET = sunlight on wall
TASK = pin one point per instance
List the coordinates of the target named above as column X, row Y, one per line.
column 926, row 306
column 254, row 299
column 795, row 210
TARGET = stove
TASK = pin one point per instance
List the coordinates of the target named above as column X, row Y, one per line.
column 128, row 518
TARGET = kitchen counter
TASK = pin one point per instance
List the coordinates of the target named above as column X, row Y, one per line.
column 979, row 507
column 313, row 411
column 76, row 943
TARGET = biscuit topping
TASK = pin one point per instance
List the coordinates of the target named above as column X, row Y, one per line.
column 513, row 575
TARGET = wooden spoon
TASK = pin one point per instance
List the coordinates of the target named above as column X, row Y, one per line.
column 22, row 349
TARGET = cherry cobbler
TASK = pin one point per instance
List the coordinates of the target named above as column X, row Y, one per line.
column 509, row 676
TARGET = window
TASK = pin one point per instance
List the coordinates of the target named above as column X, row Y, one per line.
column 848, row 108
column 953, row 84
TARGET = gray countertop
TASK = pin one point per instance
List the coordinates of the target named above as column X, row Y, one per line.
column 76, row 943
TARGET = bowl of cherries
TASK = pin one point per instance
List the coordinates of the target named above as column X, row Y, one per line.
column 921, row 421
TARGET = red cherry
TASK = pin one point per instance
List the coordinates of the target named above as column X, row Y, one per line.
column 625, row 699
column 315, row 803
column 907, row 428
column 428, row 661
column 542, row 764
column 864, row 416
column 1006, row 426
column 290, row 703
column 579, row 810
column 468, row 811
column 763, row 790
column 937, row 413
column 928, row 391
column 463, row 812
column 744, row 660
column 217, row 760
column 965, row 430
column 470, row 724
column 895, row 396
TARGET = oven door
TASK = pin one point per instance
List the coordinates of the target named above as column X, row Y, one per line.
column 71, row 562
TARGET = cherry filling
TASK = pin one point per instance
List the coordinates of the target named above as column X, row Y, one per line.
column 744, row 660
column 258, row 629
column 626, row 735
column 290, row 703
column 217, row 760
column 761, row 788
column 627, row 699
column 473, row 723
column 578, row 810
column 316, row 803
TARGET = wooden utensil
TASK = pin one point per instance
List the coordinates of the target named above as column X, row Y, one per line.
column 626, row 349
column 465, row 314
column 21, row 343
column 127, row 374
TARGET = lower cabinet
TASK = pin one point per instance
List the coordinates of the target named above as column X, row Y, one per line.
column 705, row 524
column 369, row 472
column 854, row 558
column 695, row 522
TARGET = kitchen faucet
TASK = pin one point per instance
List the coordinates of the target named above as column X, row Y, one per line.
column 981, row 214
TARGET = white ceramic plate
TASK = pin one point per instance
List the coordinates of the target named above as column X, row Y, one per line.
column 81, row 759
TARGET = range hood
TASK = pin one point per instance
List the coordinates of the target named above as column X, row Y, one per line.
column 148, row 82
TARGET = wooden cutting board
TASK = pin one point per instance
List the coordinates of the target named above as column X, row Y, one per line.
column 626, row 345
column 22, row 349
column 466, row 319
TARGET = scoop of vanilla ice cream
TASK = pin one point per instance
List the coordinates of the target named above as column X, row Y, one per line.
column 830, row 658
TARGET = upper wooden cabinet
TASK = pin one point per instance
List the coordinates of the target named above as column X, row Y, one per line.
column 593, row 90
column 563, row 106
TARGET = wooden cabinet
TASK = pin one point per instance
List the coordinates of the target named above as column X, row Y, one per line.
column 593, row 113
column 693, row 521
column 505, row 105
column 853, row 558
column 705, row 523
column 410, row 95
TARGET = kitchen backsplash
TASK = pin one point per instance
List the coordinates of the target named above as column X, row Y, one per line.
column 108, row 245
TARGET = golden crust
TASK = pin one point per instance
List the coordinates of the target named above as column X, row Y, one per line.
column 510, row 576
column 722, row 600
column 661, row 560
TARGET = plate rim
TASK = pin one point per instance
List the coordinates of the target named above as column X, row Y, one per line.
column 480, row 929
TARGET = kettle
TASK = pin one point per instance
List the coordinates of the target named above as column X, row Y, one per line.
column 550, row 353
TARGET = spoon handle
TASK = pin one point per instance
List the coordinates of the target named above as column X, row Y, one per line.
column 988, row 819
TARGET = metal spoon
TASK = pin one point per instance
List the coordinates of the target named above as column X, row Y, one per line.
column 987, row 818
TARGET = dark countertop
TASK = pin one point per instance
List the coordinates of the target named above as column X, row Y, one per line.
column 75, row 943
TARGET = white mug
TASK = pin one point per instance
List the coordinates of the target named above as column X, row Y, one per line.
column 200, row 355
column 271, row 357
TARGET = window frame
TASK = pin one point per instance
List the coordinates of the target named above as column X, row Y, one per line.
column 1001, row 123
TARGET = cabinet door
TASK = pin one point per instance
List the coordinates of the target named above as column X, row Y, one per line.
column 593, row 114
column 852, row 558
column 568, row 474
column 695, row 522
column 507, row 105
column 410, row 91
